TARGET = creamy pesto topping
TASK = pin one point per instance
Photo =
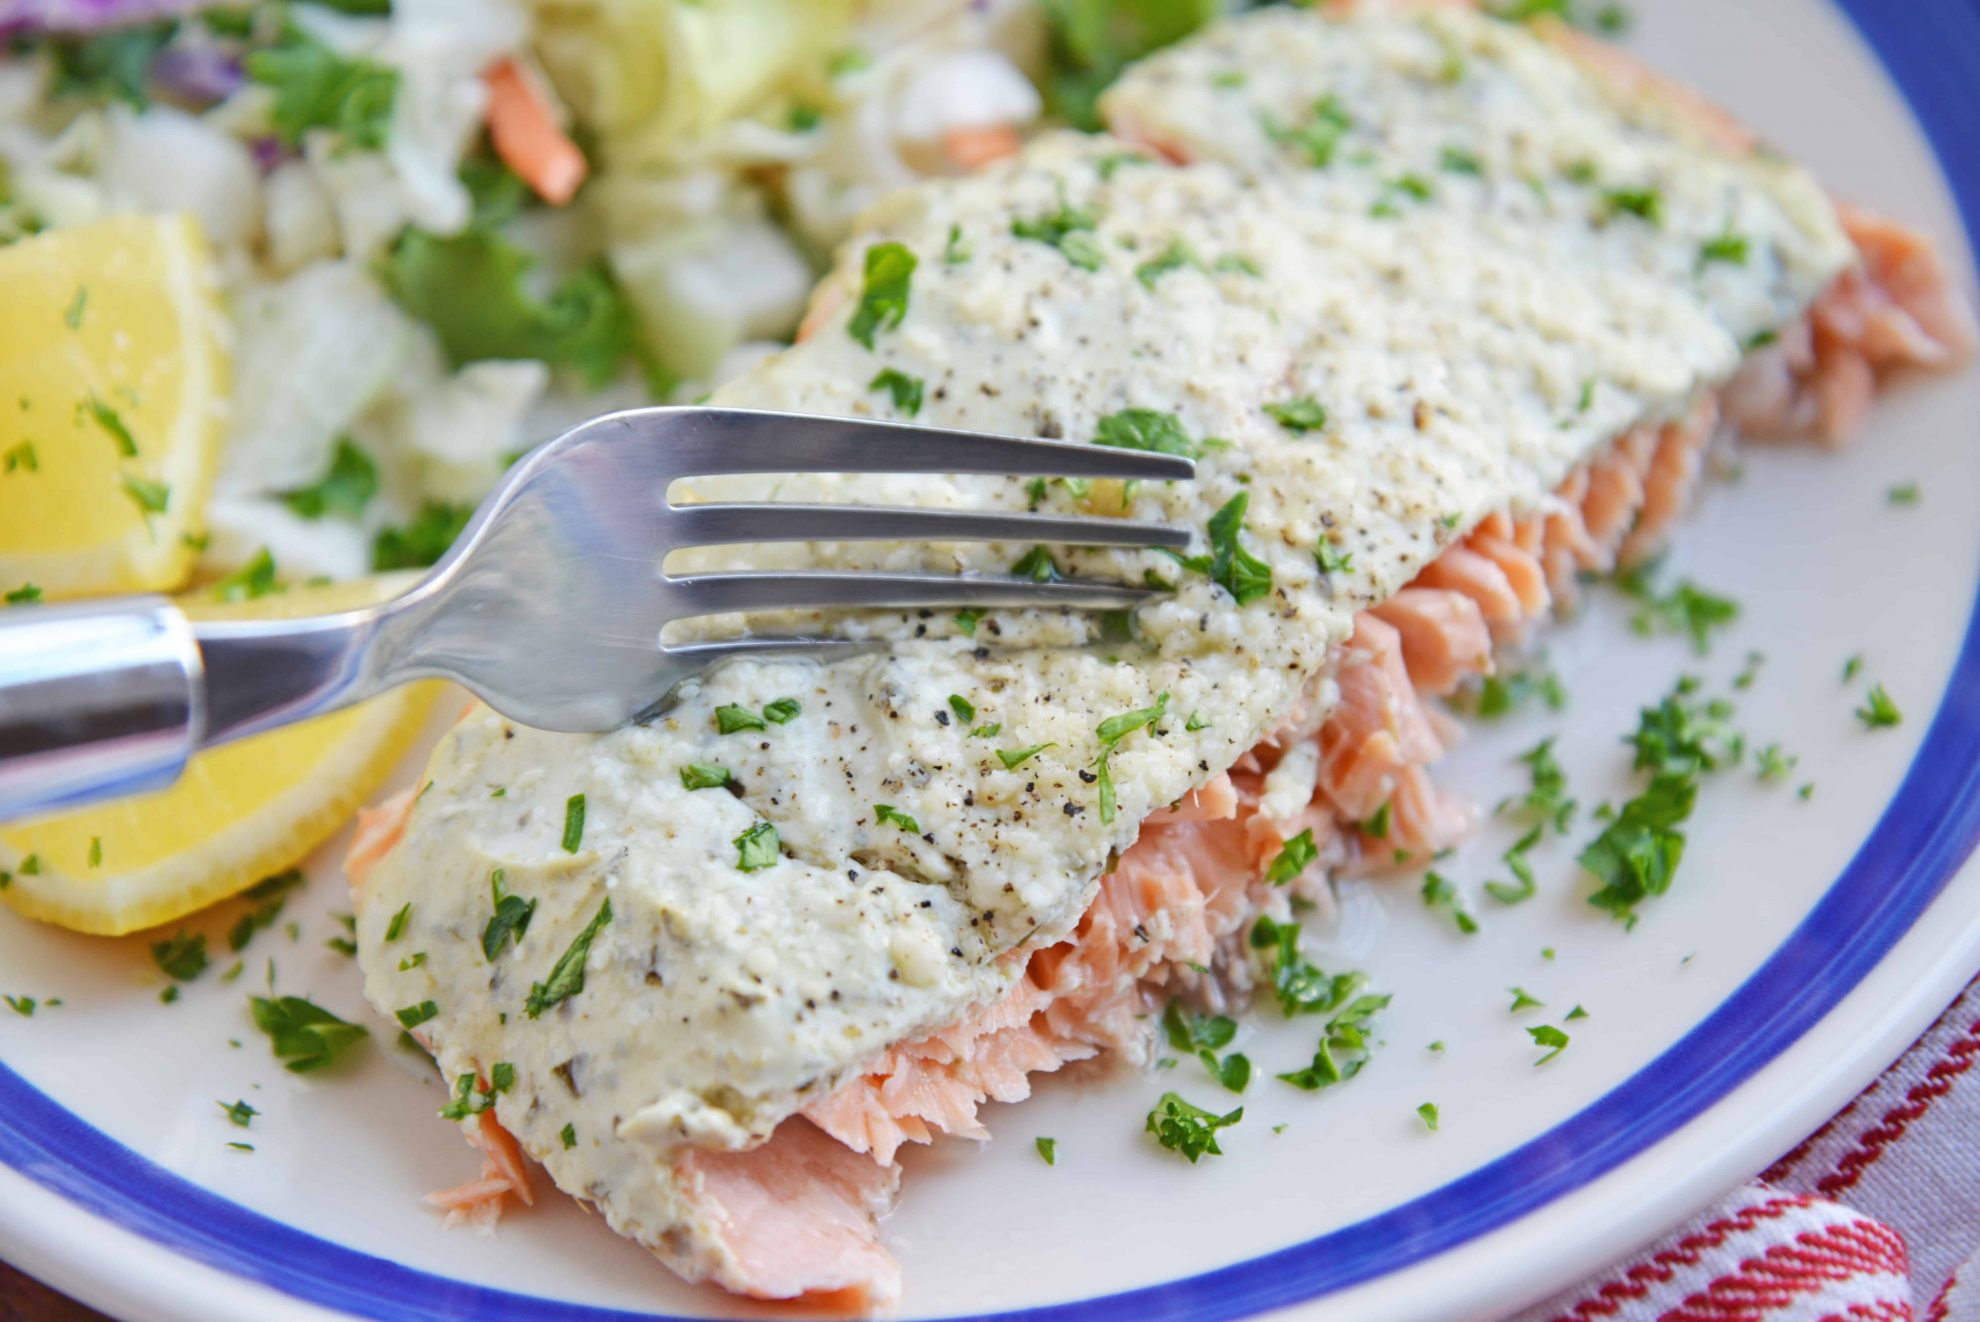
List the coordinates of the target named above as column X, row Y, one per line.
column 1375, row 376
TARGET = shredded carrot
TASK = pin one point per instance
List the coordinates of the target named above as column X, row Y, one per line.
column 527, row 136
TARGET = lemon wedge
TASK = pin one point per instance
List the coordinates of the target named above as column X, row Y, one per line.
column 112, row 378
column 240, row 813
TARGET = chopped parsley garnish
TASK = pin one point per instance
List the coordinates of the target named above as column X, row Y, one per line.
column 1576, row 1013
column 1547, row 799
column 113, row 423
column 305, row 1036
column 758, row 848
column 988, row 730
column 1300, row 414
column 1176, row 257
column 573, row 823
column 1507, row 691
column 501, row 1076
column 21, row 457
column 964, row 709
column 957, row 250
column 731, row 719
column 1440, row 893
column 1906, row 494
column 1851, row 666
column 783, row 711
column 1319, row 136
column 1189, row 1032
column 72, row 316
column 21, row 1005
column 1878, row 711
column 1729, row 248
column 344, row 491
column 1110, row 733
column 1236, row 263
column 1427, row 1113
column 1196, row 722
column 569, row 1136
column 1413, row 186
column 1344, row 1046
column 1048, row 1148
column 150, row 496
column 239, row 1114
column 1456, row 160
column 966, row 621
column 1686, row 609
column 1546, row 1035
column 469, row 1099
column 567, row 974
column 267, row 895
column 1378, row 825
column 25, row 594
column 1071, row 230
column 1145, row 429
column 510, row 920
column 1013, row 758
column 804, row 117
column 886, row 812
column 96, row 851
column 412, row 1016
column 1300, row 987
column 1332, row 559
column 1182, row 1127
column 1638, row 853
column 252, row 581
column 182, row 956
column 905, row 390
column 1037, row 565
column 316, row 88
column 423, row 541
column 1515, row 859
column 1643, row 203
column 412, row 961
column 1295, row 857
column 704, row 776
column 883, row 299
column 1773, row 765
column 1240, row 573
column 1523, row 1000
column 1110, row 163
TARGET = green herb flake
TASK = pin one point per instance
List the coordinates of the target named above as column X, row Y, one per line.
column 1319, row 136
column 704, row 776
column 1037, row 566
column 783, row 711
column 501, row 1076
column 1851, row 667
column 1576, row 1013
column 1523, row 1000
column 958, row 249
column 1729, row 248
column 23, row 1006
column 1145, row 429
column 1298, row 854
column 1440, row 893
column 150, row 496
column 1239, row 572
column 412, row 1016
column 24, row 595
column 1332, row 559
column 304, row 1036
column 1196, row 722
column 1300, row 414
column 883, row 300
column 252, row 581
column 423, row 541
column 1686, row 609
column 316, row 88
column 885, row 812
column 72, row 316
column 567, row 974
column 1515, row 860
column 1878, row 712
column 905, row 390
column 731, row 719
column 1546, row 1035
column 1645, row 204
column 1176, row 257
column 1182, row 1127
column 1048, row 1149
column 1344, row 1045
column 1013, row 758
column 1907, row 494
column 113, row 424
column 573, row 823
column 964, row 709
column 181, row 956
column 344, row 492
column 510, row 921
column 966, row 621
column 758, row 848
column 1070, row 230
column 1456, row 160
column 569, row 1136
column 1427, row 1113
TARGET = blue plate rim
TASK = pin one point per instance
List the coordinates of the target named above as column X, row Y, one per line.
column 1930, row 826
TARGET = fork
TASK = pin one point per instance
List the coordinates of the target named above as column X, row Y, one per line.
column 551, row 604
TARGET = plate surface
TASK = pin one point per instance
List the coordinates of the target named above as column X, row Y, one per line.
column 1805, row 943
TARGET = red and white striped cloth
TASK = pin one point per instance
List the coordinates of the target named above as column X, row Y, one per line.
column 1875, row 1218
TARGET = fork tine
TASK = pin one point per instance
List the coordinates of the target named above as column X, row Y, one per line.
column 715, row 594
column 705, row 441
column 722, row 525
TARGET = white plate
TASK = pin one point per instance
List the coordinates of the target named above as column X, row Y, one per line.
column 1804, row 944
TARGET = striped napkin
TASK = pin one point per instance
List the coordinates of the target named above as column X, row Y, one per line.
column 1874, row 1218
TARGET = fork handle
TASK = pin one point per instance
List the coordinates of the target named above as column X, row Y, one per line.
column 96, row 700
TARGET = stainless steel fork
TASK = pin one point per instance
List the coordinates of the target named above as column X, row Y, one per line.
column 551, row 604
